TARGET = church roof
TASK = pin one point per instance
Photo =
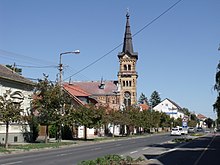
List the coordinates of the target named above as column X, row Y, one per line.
column 127, row 45
column 6, row 73
column 97, row 87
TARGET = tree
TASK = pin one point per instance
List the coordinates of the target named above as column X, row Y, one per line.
column 15, row 69
column 48, row 102
column 216, row 105
column 209, row 122
column 10, row 111
column 89, row 116
column 154, row 99
column 114, row 117
column 143, row 99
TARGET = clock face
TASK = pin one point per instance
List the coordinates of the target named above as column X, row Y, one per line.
column 127, row 95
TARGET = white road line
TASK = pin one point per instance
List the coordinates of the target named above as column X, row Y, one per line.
column 133, row 152
column 18, row 162
column 173, row 149
column 63, row 154
column 98, row 148
column 145, row 148
column 197, row 161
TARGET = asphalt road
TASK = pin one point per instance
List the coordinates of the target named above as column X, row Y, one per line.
column 202, row 151
column 76, row 154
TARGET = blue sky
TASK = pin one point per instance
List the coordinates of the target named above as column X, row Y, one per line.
column 178, row 53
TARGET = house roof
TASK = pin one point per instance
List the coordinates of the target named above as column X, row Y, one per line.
column 98, row 87
column 144, row 106
column 75, row 90
column 201, row 117
column 6, row 73
column 178, row 107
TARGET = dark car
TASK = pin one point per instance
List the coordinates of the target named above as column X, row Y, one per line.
column 199, row 129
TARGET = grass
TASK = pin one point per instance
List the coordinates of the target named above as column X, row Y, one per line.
column 31, row 146
column 197, row 134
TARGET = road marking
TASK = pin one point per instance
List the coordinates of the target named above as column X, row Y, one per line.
column 118, row 145
column 98, row 148
column 197, row 161
column 63, row 154
column 173, row 149
column 133, row 152
column 145, row 148
column 18, row 162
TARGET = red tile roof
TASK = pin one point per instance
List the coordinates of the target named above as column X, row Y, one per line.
column 144, row 106
column 75, row 90
column 201, row 117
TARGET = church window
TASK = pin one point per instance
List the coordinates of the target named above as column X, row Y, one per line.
column 127, row 98
column 130, row 83
column 129, row 67
column 125, row 67
column 126, row 83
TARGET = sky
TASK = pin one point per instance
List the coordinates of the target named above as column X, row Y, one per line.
column 177, row 53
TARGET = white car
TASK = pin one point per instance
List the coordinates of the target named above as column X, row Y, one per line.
column 175, row 131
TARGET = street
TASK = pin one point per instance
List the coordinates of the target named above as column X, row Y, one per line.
column 76, row 154
column 201, row 151
column 157, row 148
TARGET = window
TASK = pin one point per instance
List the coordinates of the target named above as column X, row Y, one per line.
column 127, row 98
column 15, row 139
column 129, row 67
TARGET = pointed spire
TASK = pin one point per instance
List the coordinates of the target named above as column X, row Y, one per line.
column 127, row 47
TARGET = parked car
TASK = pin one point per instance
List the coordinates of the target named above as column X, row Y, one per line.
column 191, row 130
column 176, row 131
column 199, row 129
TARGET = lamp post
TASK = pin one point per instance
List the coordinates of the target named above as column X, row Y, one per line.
column 60, row 83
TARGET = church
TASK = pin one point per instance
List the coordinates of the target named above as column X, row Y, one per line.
column 116, row 94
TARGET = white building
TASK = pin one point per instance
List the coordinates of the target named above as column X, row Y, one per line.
column 170, row 108
column 21, row 91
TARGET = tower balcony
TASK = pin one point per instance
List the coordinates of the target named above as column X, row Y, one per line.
column 127, row 73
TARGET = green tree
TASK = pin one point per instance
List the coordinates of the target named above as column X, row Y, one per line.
column 89, row 116
column 154, row 99
column 216, row 105
column 48, row 103
column 165, row 120
column 209, row 122
column 15, row 69
column 143, row 99
column 113, row 117
column 9, row 112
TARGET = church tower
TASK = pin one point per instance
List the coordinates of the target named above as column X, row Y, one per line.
column 127, row 75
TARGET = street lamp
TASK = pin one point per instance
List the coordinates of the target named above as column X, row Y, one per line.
column 61, row 65
column 60, row 83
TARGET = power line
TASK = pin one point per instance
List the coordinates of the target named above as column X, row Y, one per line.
column 25, row 66
column 23, row 58
column 148, row 24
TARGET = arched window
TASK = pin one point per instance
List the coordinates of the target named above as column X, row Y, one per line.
column 125, row 67
column 127, row 98
column 129, row 67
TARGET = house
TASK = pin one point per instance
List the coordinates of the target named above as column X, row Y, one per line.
column 170, row 108
column 22, row 90
column 201, row 120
